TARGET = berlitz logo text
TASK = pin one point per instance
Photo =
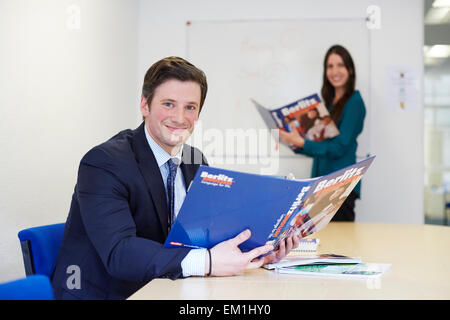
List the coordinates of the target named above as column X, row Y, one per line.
column 219, row 180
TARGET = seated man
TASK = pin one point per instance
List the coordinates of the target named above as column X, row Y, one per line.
column 128, row 193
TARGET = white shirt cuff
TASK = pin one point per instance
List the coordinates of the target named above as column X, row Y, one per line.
column 194, row 263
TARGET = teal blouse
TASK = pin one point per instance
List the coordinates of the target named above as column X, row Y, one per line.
column 338, row 152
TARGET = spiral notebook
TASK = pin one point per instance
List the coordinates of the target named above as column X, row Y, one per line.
column 306, row 246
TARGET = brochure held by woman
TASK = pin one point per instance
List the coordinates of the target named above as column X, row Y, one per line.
column 309, row 115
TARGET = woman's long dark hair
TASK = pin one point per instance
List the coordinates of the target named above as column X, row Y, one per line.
column 328, row 89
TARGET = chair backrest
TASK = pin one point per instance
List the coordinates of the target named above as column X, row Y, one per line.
column 40, row 246
column 35, row 287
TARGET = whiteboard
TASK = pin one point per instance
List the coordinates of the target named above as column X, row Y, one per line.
column 274, row 62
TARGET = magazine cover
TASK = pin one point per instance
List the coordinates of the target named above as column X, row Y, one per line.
column 323, row 199
column 354, row 271
column 309, row 115
column 222, row 203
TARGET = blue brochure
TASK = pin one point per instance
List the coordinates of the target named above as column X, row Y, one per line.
column 222, row 203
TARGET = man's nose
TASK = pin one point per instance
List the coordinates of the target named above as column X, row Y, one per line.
column 178, row 115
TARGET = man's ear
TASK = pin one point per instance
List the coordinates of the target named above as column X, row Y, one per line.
column 144, row 107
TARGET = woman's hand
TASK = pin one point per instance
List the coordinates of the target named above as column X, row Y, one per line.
column 293, row 138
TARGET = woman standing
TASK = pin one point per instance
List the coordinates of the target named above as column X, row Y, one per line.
column 347, row 109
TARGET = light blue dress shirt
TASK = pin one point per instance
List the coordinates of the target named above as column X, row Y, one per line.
column 194, row 262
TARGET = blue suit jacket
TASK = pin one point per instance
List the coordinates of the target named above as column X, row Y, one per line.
column 118, row 221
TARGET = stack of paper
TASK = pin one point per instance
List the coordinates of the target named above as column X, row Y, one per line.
column 322, row 259
column 329, row 265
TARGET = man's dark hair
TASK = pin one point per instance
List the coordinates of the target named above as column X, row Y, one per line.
column 173, row 68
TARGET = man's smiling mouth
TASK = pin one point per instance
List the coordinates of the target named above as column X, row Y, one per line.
column 171, row 128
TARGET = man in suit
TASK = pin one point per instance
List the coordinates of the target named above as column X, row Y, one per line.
column 129, row 191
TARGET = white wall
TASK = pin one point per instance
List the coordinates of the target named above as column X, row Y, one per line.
column 394, row 187
column 62, row 91
column 392, row 191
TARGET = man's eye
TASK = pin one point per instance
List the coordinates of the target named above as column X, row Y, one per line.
column 191, row 107
column 168, row 104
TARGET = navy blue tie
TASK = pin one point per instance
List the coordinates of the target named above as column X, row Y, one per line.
column 171, row 189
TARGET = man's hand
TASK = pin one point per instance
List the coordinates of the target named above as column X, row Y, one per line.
column 228, row 260
column 284, row 248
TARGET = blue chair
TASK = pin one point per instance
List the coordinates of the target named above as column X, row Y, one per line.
column 35, row 287
column 40, row 246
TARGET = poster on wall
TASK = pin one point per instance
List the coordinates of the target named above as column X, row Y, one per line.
column 402, row 88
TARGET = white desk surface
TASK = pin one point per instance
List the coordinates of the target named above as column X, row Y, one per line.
column 419, row 254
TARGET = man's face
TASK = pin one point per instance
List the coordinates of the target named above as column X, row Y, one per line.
column 171, row 116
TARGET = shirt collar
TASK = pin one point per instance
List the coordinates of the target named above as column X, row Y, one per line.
column 161, row 155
